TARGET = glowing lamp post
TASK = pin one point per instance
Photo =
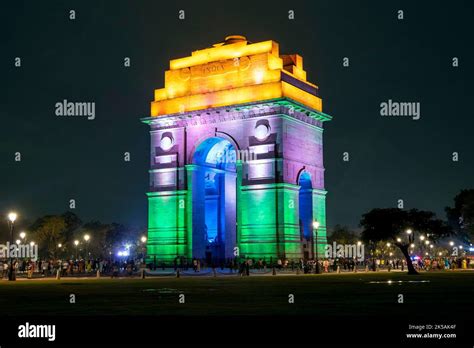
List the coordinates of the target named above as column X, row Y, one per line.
column 11, row 217
column 23, row 236
column 315, row 235
column 76, row 243
column 86, row 238
column 143, row 239
column 58, row 250
column 411, row 236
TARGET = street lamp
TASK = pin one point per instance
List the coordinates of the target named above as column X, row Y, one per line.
column 315, row 235
column 451, row 243
column 22, row 235
column 86, row 238
column 422, row 237
column 411, row 235
column 143, row 239
column 76, row 243
column 60, row 245
column 18, row 241
column 32, row 243
column 399, row 240
column 11, row 217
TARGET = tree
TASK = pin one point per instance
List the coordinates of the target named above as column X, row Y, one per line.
column 98, row 245
column 461, row 216
column 48, row 232
column 73, row 223
column 342, row 235
column 391, row 224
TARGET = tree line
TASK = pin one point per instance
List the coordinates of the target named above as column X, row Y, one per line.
column 55, row 236
column 391, row 226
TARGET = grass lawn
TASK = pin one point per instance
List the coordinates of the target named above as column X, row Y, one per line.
column 333, row 295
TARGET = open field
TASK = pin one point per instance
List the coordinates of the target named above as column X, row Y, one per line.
column 330, row 295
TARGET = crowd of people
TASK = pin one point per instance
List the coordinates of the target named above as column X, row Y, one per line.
column 71, row 267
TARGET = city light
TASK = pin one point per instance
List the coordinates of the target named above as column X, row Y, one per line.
column 399, row 240
column 451, row 243
column 60, row 245
column 422, row 237
column 427, row 242
column 76, row 242
column 32, row 243
column 143, row 239
column 316, row 225
column 431, row 246
column 18, row 241
column 409, row 231
column 412, row 245
column 22, row 235
column 123, row 253
column 86, row 237
column 12, row 217
column 388, row 244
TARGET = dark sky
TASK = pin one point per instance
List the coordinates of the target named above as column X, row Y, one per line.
column 82, row 60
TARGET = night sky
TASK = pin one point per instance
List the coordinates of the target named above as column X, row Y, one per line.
column 391, row 158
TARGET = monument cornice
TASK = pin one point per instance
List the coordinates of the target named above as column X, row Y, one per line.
column 280, row 106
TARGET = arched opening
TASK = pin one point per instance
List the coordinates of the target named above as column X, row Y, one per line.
column 306, row 212
column 214, row 200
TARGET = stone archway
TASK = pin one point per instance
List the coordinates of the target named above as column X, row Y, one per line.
column 213, row 191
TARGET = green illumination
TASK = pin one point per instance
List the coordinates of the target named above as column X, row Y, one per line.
column 167, row 234
column 267, row 216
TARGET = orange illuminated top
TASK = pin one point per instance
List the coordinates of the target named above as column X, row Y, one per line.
column 233, row 72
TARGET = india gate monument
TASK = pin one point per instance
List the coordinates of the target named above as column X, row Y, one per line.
column 236, row 157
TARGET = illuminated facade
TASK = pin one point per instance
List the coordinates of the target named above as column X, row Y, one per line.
column 236, row 156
